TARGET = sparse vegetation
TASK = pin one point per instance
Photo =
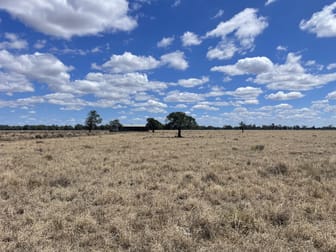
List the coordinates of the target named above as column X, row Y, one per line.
column 209, row 191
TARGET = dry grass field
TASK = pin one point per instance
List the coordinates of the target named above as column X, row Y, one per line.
column 209, row 191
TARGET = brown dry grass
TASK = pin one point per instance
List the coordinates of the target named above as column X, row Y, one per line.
column 209, row 191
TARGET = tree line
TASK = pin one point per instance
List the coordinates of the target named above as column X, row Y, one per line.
column 175, row 120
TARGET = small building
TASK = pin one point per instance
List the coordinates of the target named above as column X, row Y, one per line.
column 133, row 128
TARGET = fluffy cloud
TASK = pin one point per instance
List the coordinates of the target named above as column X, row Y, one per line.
column 193, row 82
column 281, row 96
column 289, row 76
column 66, row 100
column 254, row 65
column 40, row 44
column 331, row 96
column 165, row 42
column 246, row 95
column 322, row 23
column 118, row 87
column 204, row 106
column 128, row 62
column 40, row 67
column 281, row 48
column 240, row 32
column 183, row 97
column 331, row 66
column 175, row 60
column 151, row 106
column 22, row 102
column 72, row 18
column 190, row 39
column 278, row 107
column 13, row 42
column 224, row 50
column 13, row 82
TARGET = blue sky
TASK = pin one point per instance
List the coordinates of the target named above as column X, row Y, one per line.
column 261, row 61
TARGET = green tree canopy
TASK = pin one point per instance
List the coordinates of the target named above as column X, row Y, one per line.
column 153, row 124
column 179, row 121
column 92, row 120
column 115, row 125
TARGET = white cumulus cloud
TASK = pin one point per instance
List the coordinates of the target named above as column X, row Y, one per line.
column 40, row 67
column 121, row 88
column 175, row 60
column 165, row 42
column 13, row 42
column 183, row 97
column 254, row 65
column 13, row 82
column 289, row 76
column 246, row 95
column 240, row 31
column 331, row 96
column 190, row 39
column 129, row 62
column 72, row 18
column 193, row 82
column 322, row 23
column 282, row 96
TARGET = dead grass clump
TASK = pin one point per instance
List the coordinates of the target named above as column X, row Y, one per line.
column 320, row 170
column 278, row 169
column 85, row 224
column 107, row 198
column 211, row 177
column 202, row 228
column 244, row 222
column 280, row 218
column 178, row 243
column 118, row 236
column 48, row 157
column 258, row 147
column 34, row 183
column 62, row 181
column 4, row 195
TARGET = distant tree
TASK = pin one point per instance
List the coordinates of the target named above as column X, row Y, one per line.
column 92, row 120
column 153, row 124
column 115, row 125
column 79, row 127
column 227, row 127
column 242, row 126
column 179, row 121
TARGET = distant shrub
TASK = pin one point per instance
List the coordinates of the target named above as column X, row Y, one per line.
column 211, row 177
column 275, row 170
column 278, row 169
column 258, row 147
column 60, row 182
column 280, row 218
column 48, row 157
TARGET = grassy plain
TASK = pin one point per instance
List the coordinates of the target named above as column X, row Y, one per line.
column 209, row 191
